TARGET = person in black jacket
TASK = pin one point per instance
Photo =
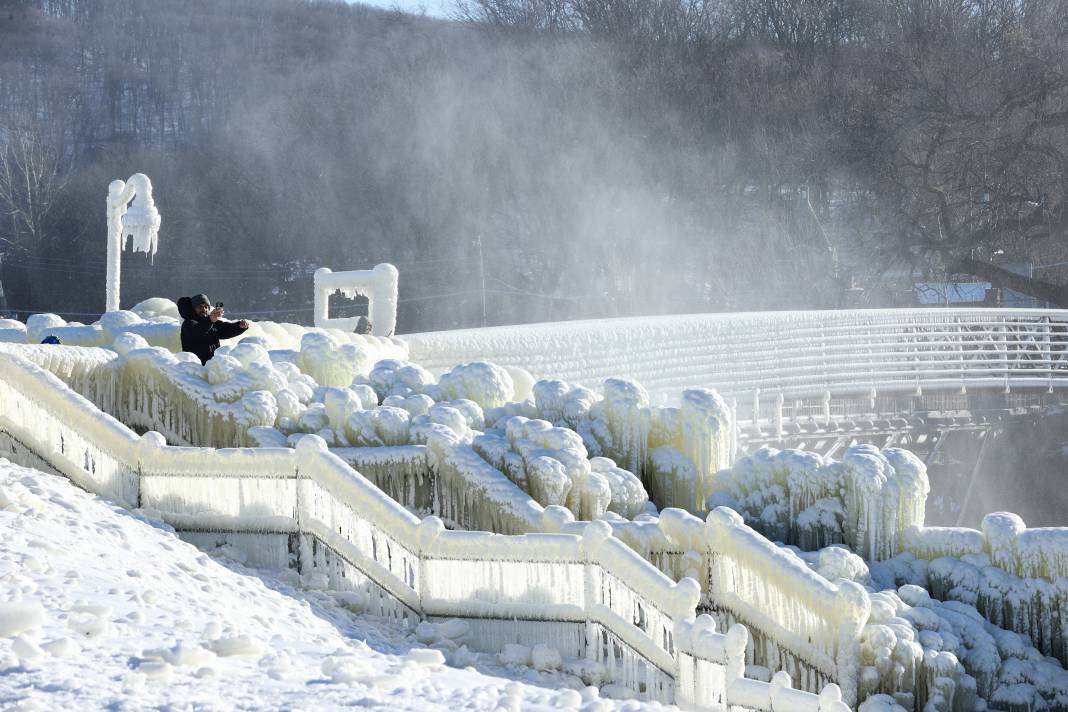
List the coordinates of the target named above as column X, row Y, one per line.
column 202, row 326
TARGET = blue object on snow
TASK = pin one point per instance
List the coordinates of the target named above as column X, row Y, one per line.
column 50, row 339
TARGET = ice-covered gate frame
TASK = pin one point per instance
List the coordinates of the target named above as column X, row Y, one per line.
column 378, row 284
column 641, row 624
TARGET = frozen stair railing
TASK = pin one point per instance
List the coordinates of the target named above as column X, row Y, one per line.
column 798, row 621
column 640, row 622
column 812, row 626
column 39, row 413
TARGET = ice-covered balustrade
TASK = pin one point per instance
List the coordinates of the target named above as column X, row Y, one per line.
column 866, row 501
column 675, row 451
column 799, row 621
column 92, row 448
column 156, row 320
column 628, row 622
column 779, row 354
column 1039, row 553
column 379, row 285
column 1014, row 576
column 805, row 624
column 244, row 387
column 784, row 595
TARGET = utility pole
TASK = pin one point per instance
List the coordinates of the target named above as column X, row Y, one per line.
column 3, row 297
column 482, row 276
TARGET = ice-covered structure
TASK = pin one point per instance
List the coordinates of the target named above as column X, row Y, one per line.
column 139, row 221
column 379, row 285
column 605, row 605
column 156, row 320
column 675, row 451
column 485, row 447
column 866, row 501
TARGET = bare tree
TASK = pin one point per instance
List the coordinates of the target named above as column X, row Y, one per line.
column 33, row 175
column 968, row 133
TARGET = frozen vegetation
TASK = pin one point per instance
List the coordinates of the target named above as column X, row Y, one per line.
column 625, row 519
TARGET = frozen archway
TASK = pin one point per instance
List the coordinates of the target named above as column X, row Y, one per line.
column 379, row 285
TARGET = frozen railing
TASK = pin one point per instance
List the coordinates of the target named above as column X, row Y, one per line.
column 1036, row 553
column 1015, row 576
column 641, row 623
column 93, row 449
column 799, row 621
column 766, row 355
column 810, row 626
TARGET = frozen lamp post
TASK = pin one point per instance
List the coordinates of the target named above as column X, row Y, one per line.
column 140, row 221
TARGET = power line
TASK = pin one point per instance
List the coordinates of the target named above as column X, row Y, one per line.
column 438, row 296
column 60, row 313
column 523, row 292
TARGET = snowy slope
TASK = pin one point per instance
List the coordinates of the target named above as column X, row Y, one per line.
column 104, row 608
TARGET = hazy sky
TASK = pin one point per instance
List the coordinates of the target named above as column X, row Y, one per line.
column 436, row 8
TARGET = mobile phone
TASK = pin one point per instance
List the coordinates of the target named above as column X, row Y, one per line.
column 218, row 305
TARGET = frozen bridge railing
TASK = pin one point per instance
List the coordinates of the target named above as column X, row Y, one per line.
column 768, row 355
column 589, row 594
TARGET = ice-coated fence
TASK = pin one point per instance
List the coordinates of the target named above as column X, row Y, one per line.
column 93, row 449
column 1015, row 576
column 636, row 622
column 771, row 354
column 797, row 620
column 809, row 626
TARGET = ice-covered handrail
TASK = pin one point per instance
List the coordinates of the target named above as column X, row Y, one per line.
column 312, row 491
column 757, row 582
column 379, row 285
column 1016, row 577
column 93, row 449
column 1030, row 553
column 768, row 354
column 800, row 621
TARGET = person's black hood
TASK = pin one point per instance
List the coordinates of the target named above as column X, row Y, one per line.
column 185, row 308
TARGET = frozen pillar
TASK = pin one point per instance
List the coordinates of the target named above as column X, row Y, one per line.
column 140, row 221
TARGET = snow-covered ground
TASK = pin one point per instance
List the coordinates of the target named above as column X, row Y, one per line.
column 102, row 608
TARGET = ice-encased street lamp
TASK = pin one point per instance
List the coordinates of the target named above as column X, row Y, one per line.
column 139, row 221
